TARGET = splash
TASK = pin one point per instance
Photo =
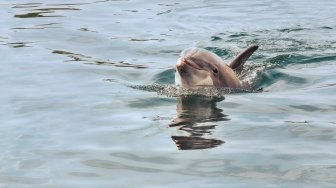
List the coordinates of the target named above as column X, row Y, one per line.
column 252, row 74
column 176, row 91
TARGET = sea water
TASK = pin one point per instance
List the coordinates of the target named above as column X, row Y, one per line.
column 87, row 94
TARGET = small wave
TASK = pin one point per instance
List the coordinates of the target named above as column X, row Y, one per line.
column 287, row 59
column 219, row 51
column 252, row 74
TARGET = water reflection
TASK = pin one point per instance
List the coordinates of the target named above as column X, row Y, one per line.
column 197, row 115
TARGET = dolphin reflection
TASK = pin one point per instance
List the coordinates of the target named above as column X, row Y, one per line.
column 197, row 116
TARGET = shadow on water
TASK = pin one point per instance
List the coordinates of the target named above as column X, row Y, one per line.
column 197, row 116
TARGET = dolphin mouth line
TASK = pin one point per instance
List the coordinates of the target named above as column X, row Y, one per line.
column 191, row 63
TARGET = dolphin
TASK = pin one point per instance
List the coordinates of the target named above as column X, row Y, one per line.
column 198, row 67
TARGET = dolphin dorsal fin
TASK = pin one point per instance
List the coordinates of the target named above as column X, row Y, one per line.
column 238, row 62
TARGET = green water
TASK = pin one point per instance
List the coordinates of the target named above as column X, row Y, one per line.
column 79, row 108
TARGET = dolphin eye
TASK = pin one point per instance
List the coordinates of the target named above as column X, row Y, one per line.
column 215, row 70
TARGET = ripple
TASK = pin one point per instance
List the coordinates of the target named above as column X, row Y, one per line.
column 327, row 85
column 318, row 59
column 3, row 40
column 240, row 35
column 103, row 1
column 36, row 10
column 216, row 38
column 27, row 5
column 74, row 56
column 308, row 108
column 84, row 174
column 288, row 30
column 57, row 8
column 90, row 60
column 143, row 158
column 143, row 40
column 36, row 15
column 150, row 102
column 22, row 180
column 39, row 26
column 322, row 173
column 120, row 64
column 320, row 133
column 219, row 51
column 106, row 164
column 67, row 4
column 285, row 59
column 326, row 27
column 165, row 12
column 288, row 59
column 165, row 77
column 274, row 76
column 19, row 44
column 291, row 39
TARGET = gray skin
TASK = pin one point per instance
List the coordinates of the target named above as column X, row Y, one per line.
column 198, row 67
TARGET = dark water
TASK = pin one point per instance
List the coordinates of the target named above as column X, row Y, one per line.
column 79, row 108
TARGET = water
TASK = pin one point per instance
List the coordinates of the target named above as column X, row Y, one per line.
column 74, row 112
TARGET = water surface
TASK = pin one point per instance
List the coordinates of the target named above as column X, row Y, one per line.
column 71, row 116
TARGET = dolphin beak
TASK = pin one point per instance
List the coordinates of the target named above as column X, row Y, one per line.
column 180, row 62
column 180, row 65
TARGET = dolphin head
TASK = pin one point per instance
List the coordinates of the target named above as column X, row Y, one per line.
column 198, row 67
